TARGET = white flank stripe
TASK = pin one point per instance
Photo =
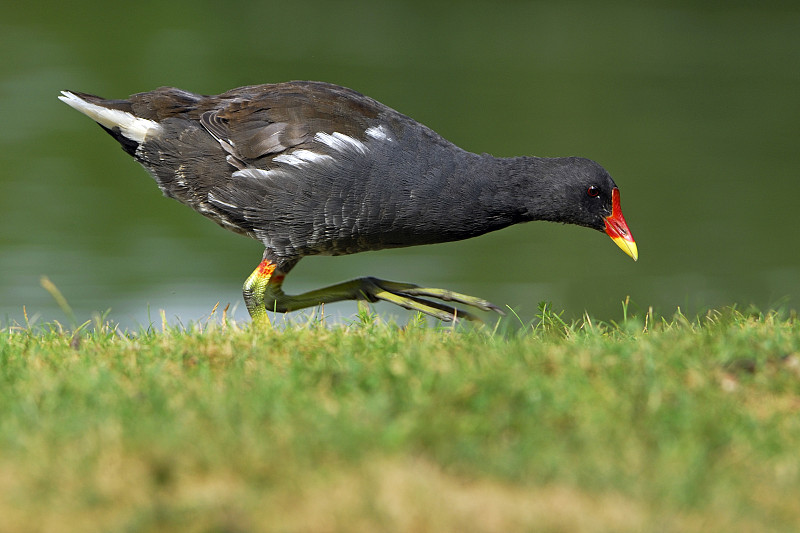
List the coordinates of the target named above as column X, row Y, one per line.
column 298, row 158
column 379, row 133
column 254, row 173
column 131, row 126
column 214, row 200
column 340, row 142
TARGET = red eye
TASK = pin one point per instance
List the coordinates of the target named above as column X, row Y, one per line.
column 593, row 191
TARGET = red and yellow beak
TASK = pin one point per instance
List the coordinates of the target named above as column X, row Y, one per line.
column 617, row 228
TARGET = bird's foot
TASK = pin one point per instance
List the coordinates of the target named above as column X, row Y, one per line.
column 412, row 297
column 263, row 291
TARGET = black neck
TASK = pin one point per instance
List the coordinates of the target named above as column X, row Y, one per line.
column 513, row 190
column 466, row 195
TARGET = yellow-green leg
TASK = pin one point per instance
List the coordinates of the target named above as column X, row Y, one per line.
column 254, row 289
column 263, row 290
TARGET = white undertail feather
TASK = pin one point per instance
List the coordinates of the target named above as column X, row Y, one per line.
column 132, row 127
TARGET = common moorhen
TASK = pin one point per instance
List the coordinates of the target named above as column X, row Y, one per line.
column 313, row 168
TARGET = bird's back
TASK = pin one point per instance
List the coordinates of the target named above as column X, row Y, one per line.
column 305, row 167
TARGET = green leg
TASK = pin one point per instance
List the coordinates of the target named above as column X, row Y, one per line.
column 254, row 289
column 263, row 290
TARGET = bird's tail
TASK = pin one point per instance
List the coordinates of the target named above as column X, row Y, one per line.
column 115, row 116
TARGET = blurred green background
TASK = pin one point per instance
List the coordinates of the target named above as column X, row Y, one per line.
column 693, row 107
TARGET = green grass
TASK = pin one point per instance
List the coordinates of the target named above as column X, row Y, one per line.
column 647, row 426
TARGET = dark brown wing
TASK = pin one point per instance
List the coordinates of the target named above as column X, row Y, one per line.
column 287, row 164
column 255, row 124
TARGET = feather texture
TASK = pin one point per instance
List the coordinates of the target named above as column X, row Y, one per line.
column 313, row 168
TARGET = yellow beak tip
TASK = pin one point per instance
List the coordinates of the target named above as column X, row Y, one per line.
column 629, row 247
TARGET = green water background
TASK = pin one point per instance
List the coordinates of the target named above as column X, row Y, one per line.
column 694, row 108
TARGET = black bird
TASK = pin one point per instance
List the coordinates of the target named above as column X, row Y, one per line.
column 312, row 168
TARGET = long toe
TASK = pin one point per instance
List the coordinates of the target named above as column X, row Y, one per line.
column 445, row 295
column 437, row 310
column 409, row 296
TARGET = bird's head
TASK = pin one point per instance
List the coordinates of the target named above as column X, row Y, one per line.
column 587, row 196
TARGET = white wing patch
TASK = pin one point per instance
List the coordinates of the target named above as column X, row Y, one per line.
column 379, row 133
column 253, row 173
column 300, row 158
column 340, row 142
column 132, row 127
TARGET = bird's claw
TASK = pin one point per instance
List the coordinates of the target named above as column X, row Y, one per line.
column 410, row 296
